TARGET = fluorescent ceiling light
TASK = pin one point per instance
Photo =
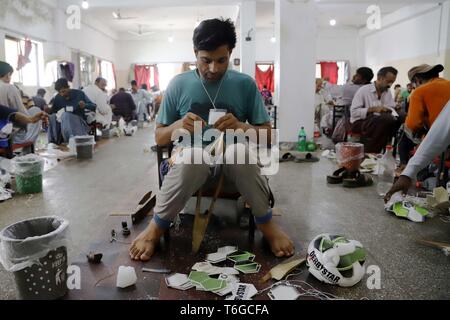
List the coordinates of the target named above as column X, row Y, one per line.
column 332, row 22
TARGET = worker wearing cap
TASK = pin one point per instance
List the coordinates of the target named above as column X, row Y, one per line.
column 430, row 97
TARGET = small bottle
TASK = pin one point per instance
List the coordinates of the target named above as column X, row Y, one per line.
column 316, row 132
column 302, row 140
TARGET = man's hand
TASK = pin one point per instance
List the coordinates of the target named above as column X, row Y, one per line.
column 380, row 110
column 82, row 104
column 228, row 122
column 39, row 116
column 402, row 184
column 188, row 121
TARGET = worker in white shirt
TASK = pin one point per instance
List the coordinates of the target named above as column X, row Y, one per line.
column 97, row 94
column 141, row 99
column 436, row 142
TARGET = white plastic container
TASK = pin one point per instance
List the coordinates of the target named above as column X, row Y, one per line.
column 386, row 172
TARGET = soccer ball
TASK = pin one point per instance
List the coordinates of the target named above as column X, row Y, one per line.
column 334, row 259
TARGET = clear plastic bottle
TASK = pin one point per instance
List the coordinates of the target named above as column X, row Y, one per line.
column 386, row 172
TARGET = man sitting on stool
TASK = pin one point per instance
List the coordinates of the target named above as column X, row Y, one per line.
column 68, row 113
column 371, row 112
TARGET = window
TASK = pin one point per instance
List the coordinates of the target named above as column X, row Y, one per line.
column 342, row 72
column 107, row 72
column 85, row 70
column 30, row 74
column 166, row 72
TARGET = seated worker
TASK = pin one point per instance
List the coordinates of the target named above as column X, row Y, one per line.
column 322, row 105
column 363, row 76
column 141, row 98
column 12, row 97
column 267, row 95
column 99, row 96
column 436, row 142
column 10, row 115
column 189, row 99
column 68, row 113
column 430, row 97
column 425, row 104
column 39, row 99
column 406, row 94
column 123, row 105
column 371, row 112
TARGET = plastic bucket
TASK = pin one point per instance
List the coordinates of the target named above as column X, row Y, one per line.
column 85, row 147
column 35, row 251
column 28, row 171
column 350, row 155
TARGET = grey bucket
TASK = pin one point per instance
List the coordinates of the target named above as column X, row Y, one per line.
column 85, row 147
column 35, row 251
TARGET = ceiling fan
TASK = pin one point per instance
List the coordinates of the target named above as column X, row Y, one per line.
column 140, row 32
column 118, row 16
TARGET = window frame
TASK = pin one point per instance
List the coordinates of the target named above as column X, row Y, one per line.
column 35, row 52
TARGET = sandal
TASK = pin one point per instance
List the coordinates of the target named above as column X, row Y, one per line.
column 338, row 176
column 359, row 180
column 310, row 159
column 287, row 157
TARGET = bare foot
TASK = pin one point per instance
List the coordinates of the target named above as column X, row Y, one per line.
column 145, row 244
column 280, row 243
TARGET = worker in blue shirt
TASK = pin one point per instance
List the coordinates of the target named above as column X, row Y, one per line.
column 69, row 113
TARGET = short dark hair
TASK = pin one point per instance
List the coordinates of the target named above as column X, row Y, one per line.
column 41, row 92
column 365, row 73
column 122, row 89
column 61, row 84
column 213, row 33
column 144, row 86
column 5, row 68
column 134, row 83
column 384, row 71
column 397, row 86
column 99, row 79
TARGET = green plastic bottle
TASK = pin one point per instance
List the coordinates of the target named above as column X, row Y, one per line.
column 302, row 140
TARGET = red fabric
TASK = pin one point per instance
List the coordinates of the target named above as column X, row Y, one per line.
column 330, row 70
column 142, row 75
column 265, row 78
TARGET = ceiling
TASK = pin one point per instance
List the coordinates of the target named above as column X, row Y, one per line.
column 165, row 15
column 161, row 18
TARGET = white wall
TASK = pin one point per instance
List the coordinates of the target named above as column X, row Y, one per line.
column 338, row 44
column 411, row 36
column 332, row 44
column 58, row 41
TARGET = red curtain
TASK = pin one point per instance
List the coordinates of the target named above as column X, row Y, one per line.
column 330, row 71
column 265, row 78
column 142, row 75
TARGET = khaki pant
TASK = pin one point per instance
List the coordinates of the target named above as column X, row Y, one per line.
column 184, row 180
